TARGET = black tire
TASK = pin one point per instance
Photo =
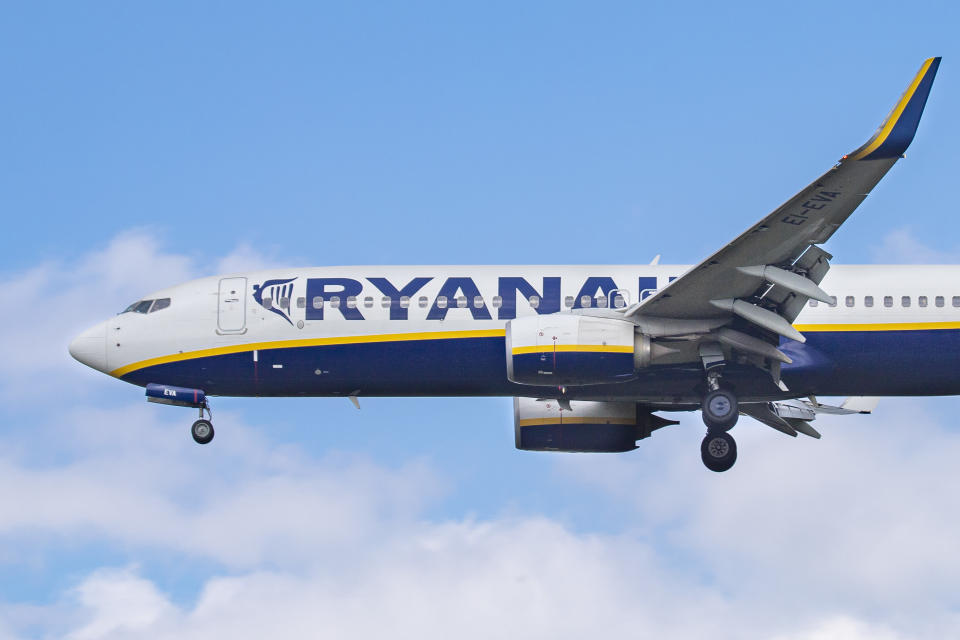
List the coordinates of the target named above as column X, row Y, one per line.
column 720, row 409
column 718, row 450
column 202, row 431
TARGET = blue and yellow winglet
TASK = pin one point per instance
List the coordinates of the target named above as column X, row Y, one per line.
column 897, row 131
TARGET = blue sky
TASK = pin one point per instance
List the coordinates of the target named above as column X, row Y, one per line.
column 145, row 144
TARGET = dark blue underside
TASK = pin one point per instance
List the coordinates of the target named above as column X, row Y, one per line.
column 830, row 363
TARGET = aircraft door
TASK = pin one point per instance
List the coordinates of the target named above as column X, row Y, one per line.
column 232, row 306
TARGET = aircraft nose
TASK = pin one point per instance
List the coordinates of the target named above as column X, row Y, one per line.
column 90, row 347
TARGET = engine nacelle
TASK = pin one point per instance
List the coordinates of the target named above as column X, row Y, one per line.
column 568, row 349
column 611, row 427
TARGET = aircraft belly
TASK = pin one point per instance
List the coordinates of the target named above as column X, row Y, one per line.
column 910, row 362
column 875, row 363
column 450, row 367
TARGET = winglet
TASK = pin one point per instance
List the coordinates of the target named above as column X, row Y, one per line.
column 897, row 131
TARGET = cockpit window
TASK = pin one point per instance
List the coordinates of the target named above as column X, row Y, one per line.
column 141, row 306
column 147, row 306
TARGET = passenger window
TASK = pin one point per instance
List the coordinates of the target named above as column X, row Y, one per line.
column 938, row 301
column 905, row 301
column 619, row 302
column 814, row 303
column 284, row 303
column 385, row 302
column 461, row 302
column 334, row 302
column 478, row 302
column 497, row 302
column 585, row 301
column 423, row 302
column 956, row 301
column 534, row 302
column 404, row 302
column 301, row 303
column 849, row 301
column 833, row 301
column 441, row 302
column 888, row 301
column 868, row 301
column 268, row 303
column 317, row 302
column 602, row 302
column 922, row 301
column 568, row 302
column 368, row 302
column 351, row 302
column 160, row 303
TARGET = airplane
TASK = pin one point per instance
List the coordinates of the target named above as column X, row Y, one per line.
column 589, row 354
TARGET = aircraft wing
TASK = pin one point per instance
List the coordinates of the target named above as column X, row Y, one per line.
column 774, row 267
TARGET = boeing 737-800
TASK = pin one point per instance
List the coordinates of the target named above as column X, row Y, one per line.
column 589, row 354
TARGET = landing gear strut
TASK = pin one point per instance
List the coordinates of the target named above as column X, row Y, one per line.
column 720, row 410
column 202, row 429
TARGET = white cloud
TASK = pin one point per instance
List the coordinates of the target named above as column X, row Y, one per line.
column 863, row 517
column 851, row 536
column 55, row 301
column 245, row 258
column 844, row 628
column 243, row 504
column 901, row 246
column 121, row 603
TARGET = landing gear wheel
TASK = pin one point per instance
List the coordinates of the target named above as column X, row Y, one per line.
column 720, row 410
column 202, row 431
column 718, row 450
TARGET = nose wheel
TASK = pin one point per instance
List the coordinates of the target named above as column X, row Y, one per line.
column 202, row 429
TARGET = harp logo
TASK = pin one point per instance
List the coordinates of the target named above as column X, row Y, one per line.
column 275, row 296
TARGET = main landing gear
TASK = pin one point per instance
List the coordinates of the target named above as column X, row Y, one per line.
column 720, row 411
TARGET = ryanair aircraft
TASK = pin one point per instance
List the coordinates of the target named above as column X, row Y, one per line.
column 589, row 354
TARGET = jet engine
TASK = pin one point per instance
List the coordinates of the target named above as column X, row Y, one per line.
column 567, row 349
column 587, row 426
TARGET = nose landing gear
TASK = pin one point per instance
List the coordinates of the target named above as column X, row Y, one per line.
column 202, row 429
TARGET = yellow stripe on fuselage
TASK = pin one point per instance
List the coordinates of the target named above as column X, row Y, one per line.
column 307, row 342
column 884, row 132
column 877, row 326
column 573, row 348
column 481, row 333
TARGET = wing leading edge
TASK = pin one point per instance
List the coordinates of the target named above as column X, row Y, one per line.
column 764, row 266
